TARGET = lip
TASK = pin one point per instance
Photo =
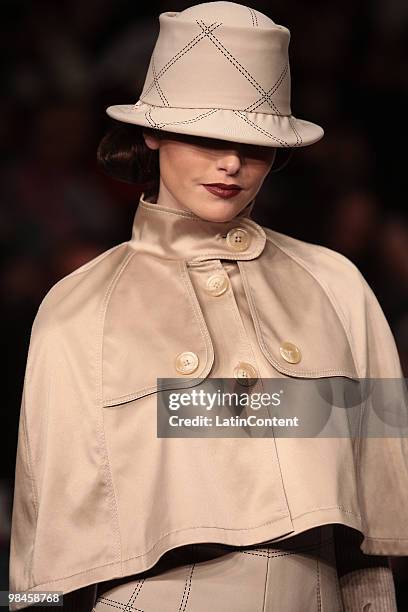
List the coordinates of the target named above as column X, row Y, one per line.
column 223, row 185
column 225, row 191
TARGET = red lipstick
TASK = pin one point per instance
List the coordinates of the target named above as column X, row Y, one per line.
column 223, row 190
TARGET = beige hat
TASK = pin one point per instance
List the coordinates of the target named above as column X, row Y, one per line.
column 220, row 70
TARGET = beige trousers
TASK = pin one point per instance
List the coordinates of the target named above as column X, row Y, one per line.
column 296, row 574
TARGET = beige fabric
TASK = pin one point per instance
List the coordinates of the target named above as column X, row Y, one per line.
column 99, row 496
column 220, row 70
column 298, row 574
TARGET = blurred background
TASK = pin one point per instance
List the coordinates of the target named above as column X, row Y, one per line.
column 65, row 62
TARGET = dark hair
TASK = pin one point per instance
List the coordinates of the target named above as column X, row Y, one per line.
column 123, row 154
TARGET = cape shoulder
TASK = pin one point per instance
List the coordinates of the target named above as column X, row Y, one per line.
column 86, row 283
column 369, row 334
column 337, row 274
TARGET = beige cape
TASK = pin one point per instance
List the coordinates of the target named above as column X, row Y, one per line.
column 98, row 495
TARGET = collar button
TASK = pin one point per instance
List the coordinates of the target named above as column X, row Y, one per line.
column 238, row 239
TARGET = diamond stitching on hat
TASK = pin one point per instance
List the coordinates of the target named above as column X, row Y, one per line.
column 207, row 32
column 298, row 136
column 240, row 68
column 253, row 16
column 159, row 89
column 241, row 115
column 275, row 87
column 182, row 52
column 193, row 120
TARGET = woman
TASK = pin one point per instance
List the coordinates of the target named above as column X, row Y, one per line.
column 115, row 515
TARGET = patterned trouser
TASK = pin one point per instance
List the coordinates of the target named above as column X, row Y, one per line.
column 296, row 575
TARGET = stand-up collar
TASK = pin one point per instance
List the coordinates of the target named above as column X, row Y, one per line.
column 178, row 234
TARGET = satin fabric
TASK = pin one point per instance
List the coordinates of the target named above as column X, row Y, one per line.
column 97, row 494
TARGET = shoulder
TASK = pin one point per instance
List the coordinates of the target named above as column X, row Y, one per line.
column 337, row 274
column 333, row 275
column 80, row 294
column 350, row 295
column 308, row 253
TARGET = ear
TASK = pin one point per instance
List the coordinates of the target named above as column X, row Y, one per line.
column 151, row 140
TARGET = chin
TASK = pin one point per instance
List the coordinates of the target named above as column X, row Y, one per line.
column 218, row 216
column 219, row 211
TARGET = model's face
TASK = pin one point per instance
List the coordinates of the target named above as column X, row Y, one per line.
column 189, row 162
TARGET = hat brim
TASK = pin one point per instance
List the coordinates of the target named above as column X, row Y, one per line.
column 220, row 123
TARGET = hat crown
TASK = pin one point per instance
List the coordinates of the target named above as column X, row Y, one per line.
column 230, row 13
column 215, row 56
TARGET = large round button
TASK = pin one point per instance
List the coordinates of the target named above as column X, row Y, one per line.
column 245, row 374
column 217, row 284
column 186, row 362
column 238, row 239
column 290, row 352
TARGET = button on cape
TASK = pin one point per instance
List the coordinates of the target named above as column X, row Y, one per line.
column 99, row 496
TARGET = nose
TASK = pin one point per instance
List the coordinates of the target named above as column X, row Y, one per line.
column 230, row 161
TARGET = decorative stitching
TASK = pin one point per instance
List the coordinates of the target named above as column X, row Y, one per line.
column 112, row 603
column 239, row 67
column 266, row 96
column 136, row 593
column 105, row 462
column 160, row 126
column 241, row 115
column 186, row 595
column 271, row 91
column 298, row 137
column 238, row 113
column 328, row 508
column 156, row 82
column 182, row 52
column 254, row 16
